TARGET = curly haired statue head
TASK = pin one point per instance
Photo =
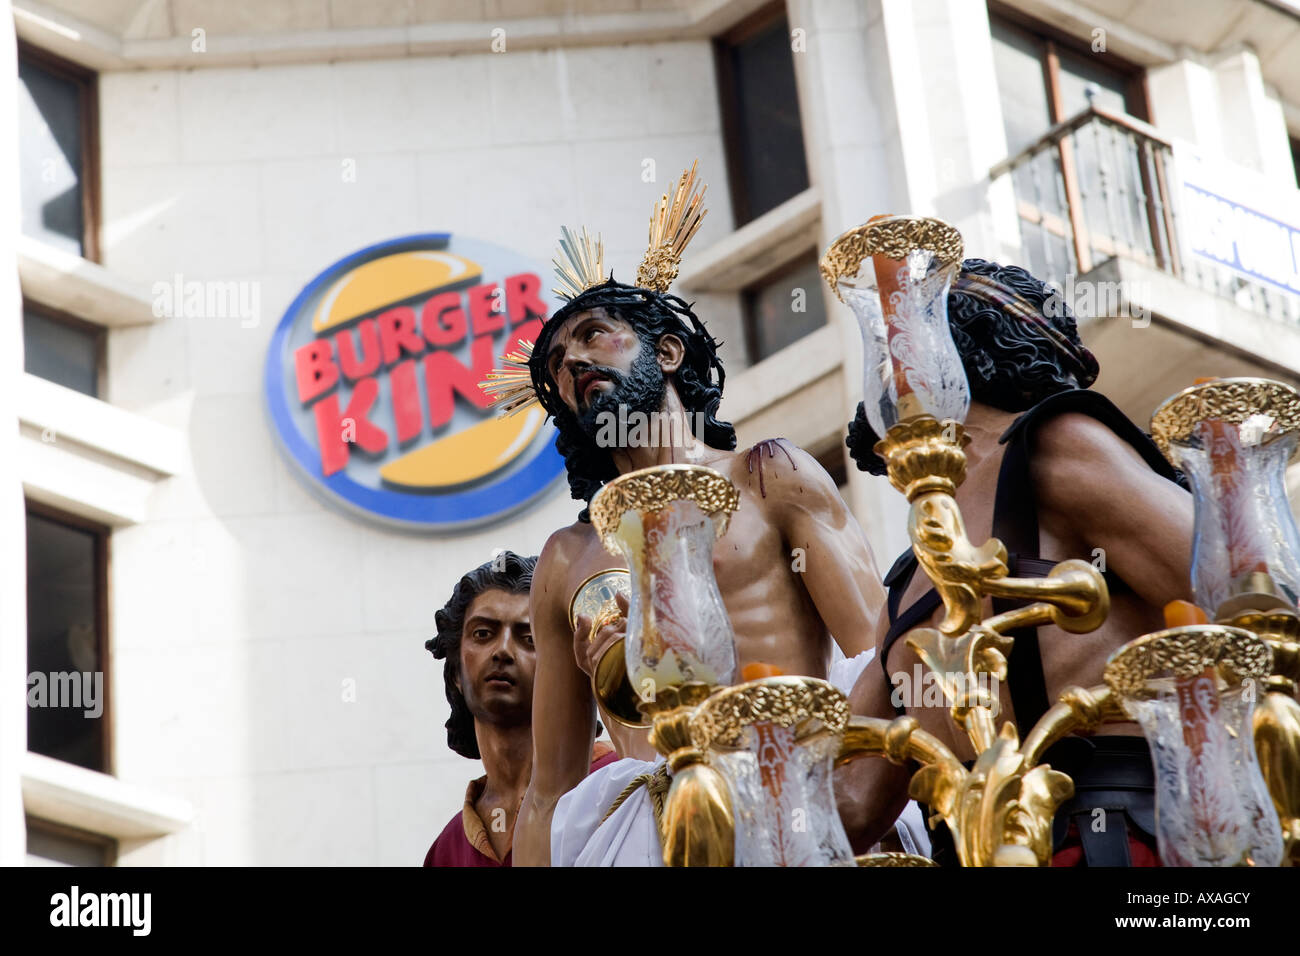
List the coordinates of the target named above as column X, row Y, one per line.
column 506, row 572
column 1018, row 342
column 652, row 315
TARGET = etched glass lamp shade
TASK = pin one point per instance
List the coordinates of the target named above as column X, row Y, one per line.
column 1192, row 690
column 775, row 741
column 1234, row 437
column 894, row 273
column 663, row 521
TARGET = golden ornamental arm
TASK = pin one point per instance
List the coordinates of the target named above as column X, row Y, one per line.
column 1000, row 812
column 926, row 461
column 1077, row 709
column 899, row 741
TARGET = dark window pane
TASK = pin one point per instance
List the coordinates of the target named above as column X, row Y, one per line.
column 1081, row 75
column 1022, row 90
column 767, row 143
column 782, row 310
column 61, row 352
column 66, row 685
column 49, row 133
column 835, row 461
column 53, row 845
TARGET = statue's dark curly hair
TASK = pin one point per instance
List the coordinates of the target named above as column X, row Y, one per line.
column 515, row 576
column 652, row 315
column 1009, row 364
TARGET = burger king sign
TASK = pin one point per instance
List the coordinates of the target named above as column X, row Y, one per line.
column 372, row 383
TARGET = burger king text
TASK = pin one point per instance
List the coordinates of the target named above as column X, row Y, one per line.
column 394, row 342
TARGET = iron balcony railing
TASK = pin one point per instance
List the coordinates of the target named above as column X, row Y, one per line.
column 1093, row 187
column 1101, row 184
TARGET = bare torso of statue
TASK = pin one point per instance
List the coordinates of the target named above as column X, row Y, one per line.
column 793, row 569
column 760, row 573
column 1098, row 501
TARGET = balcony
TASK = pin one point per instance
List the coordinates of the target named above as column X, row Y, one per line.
column 1102, row 186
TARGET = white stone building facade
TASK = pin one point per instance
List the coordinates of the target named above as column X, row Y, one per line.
column 256, row 143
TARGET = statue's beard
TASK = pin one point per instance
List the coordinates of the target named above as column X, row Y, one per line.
column 641, row 390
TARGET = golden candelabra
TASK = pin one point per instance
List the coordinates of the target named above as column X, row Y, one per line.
column 1000, row 810
column 1237, row 409
column 676, row 668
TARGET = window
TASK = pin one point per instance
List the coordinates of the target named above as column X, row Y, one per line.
column 52, row 844
column 783, row 307
column 836, row 462
column 67, row 687
column 58, row 152
column 1045, row 78
column 63, row 349
column 1092, row 192
column 760, row 114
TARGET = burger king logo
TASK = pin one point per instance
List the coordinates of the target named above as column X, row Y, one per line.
column 372, row 383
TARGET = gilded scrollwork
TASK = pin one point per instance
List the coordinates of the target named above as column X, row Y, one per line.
column 653, row 489
column 1230, row 400
column 893, row 236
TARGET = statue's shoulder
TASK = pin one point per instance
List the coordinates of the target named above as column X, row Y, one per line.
column 568, row 542
column 779, row 467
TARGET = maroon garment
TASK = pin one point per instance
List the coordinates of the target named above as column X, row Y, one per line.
column 454, row 847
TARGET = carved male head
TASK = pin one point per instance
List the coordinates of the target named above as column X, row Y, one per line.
column 621, row 347
column 1018, row 342
column 484, row 634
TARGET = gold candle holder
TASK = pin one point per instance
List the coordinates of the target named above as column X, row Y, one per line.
column 1191, row 690
column 916, row 395
column 1000, row 811
column 679, row 646
column 1233, row 437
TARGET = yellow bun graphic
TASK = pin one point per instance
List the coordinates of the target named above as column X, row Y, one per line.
column 390, row 279
column 466, row 456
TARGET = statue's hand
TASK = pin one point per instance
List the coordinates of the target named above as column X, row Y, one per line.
column 588, row 648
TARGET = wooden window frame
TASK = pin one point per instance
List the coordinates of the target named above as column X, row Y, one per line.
column 102, row 644
column 87, row 81
column 67, row 318
column 1136, row 98
column 724, row 45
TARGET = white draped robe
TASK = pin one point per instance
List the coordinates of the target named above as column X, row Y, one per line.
column 630, row 836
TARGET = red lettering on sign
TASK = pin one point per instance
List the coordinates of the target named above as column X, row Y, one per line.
column 315, row 369
column 334, row 432
column 445, row 377
column 483, row 314
column 354, row 368
column 397, row 333
column 406, row 401
column 443, row 320
column 522, row 299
